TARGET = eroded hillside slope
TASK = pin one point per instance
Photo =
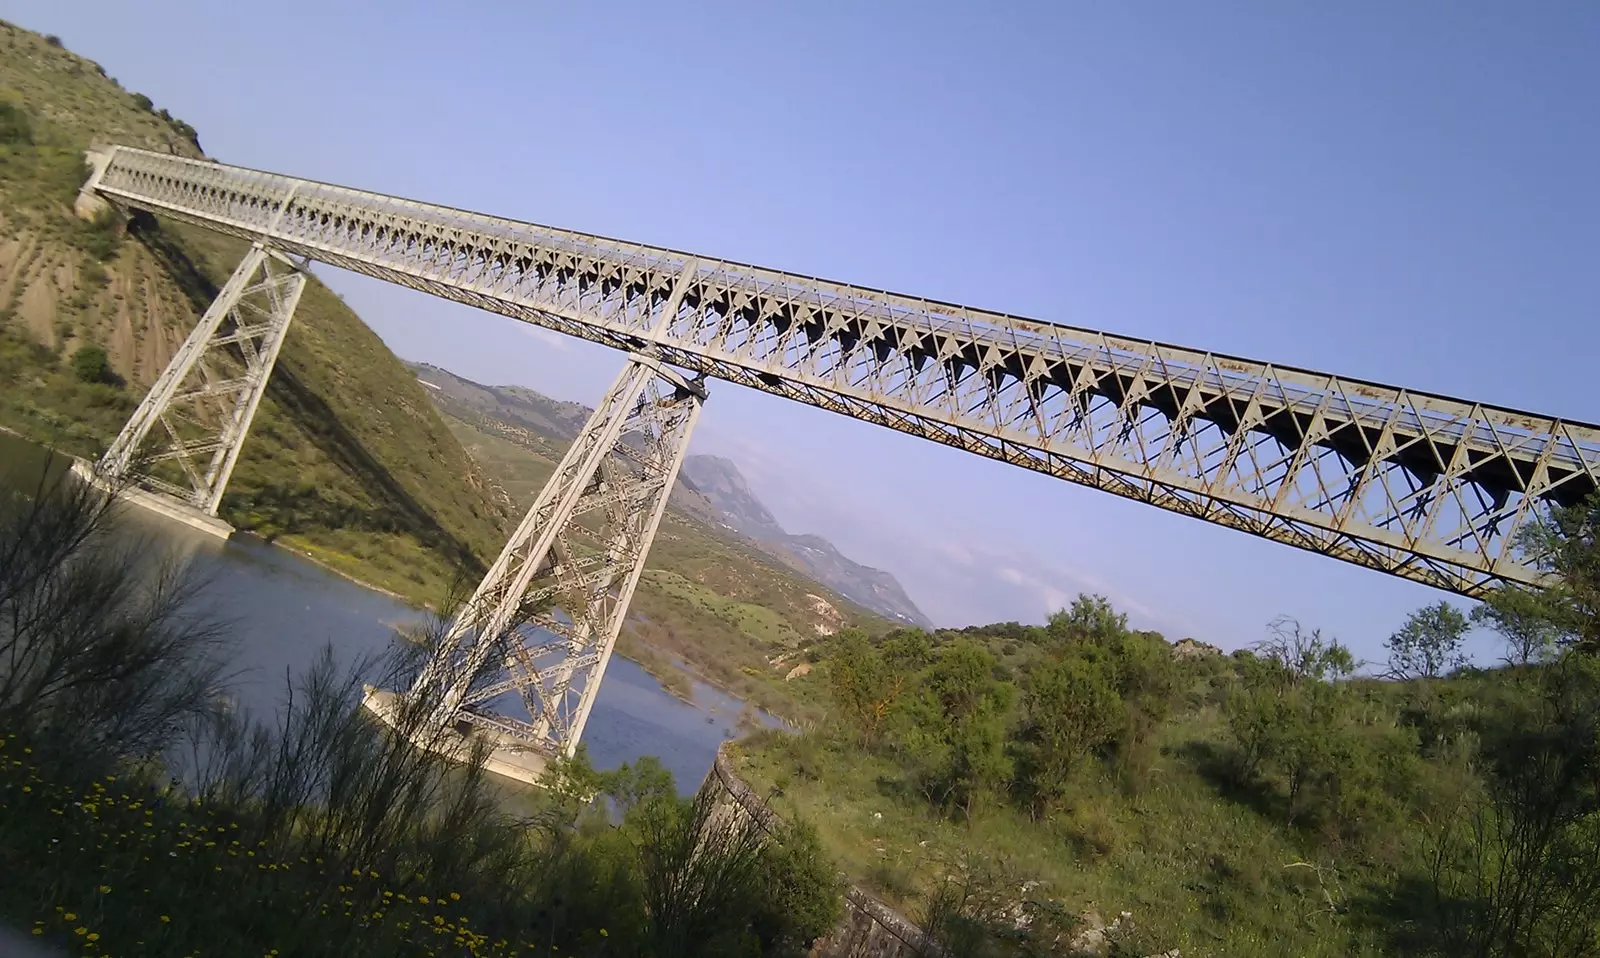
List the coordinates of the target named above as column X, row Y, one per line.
column 347, row 459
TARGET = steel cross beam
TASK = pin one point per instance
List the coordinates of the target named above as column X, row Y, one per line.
column 1421, row 486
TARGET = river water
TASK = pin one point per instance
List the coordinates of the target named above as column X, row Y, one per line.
column 283, row 610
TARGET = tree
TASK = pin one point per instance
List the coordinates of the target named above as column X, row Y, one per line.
column 1522, row 617
column 1517, row 870
column 864, row 687
column 699, row 870
column 91, row 365
column 1304, row 656
column 1072, row 709
column 1564, row 544
column 1091, row 617
column 800, row 893
column 143, row 102
column 1429, row 644
column 907, row 650
column 631, row 786
column 953, row 729
column 962, row 679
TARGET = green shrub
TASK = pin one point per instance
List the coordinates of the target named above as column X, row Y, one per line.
column 100, row 237
column 15, row 127
column 91, row 365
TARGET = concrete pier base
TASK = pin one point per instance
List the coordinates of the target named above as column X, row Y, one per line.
column 165, row 506
column 508, row 757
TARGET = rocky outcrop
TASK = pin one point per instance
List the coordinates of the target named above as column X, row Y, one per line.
column 1186, row 649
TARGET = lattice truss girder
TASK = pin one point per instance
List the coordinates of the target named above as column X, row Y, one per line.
column 551, row 606
column 1422, row 486
column 185, row 437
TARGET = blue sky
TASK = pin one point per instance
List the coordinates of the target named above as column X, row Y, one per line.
column 1397, row 192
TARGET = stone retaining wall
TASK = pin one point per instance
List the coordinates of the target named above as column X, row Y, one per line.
column 869, row 928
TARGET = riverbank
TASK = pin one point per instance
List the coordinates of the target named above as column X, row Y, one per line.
column 676, row 676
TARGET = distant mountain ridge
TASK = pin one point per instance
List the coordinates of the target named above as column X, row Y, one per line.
column 710, row 487
column 719, row 480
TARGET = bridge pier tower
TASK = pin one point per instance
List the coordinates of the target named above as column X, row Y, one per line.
column 543, row 622
column 176, row 452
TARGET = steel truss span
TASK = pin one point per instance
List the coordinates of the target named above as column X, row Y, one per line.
column 1421, row 486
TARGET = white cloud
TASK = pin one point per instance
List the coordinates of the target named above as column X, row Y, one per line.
column 956, row 576
column 549, row 337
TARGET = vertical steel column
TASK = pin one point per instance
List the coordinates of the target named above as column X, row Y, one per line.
column 544, row 620
column 208, row 395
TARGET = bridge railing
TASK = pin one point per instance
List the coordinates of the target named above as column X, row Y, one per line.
column 1418, row 485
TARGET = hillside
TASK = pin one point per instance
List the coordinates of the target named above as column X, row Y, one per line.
column 710, row 488
column 710, row 604
column 1082, row 789
column 346, row 460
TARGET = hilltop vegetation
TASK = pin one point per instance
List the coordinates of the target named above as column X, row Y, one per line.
column 1018, row 785
column 346, row 460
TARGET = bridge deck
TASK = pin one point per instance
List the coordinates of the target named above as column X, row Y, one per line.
column 1418, row 485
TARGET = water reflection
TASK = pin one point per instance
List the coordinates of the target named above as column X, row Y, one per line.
column 282, row 610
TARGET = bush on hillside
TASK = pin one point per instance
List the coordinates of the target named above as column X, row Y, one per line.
column 91, row 365
column 15, row 127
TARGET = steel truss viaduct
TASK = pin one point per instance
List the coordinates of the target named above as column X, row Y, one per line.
column 1421, row 486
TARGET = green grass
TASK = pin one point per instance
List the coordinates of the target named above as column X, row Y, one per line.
column 1199, row 872
column 757, row 622
column 102, row 841
column 520, row 470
